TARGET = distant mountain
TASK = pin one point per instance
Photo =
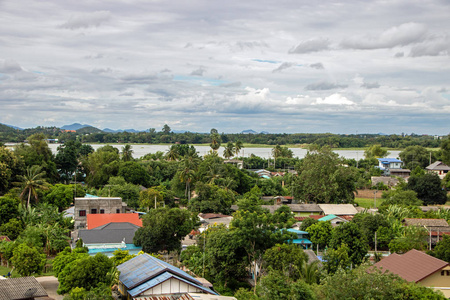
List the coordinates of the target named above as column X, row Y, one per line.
column 249, row 131
column 11, row 126
column 107, row 130
column 264, row 132
column 88, row 129
column 75, row 126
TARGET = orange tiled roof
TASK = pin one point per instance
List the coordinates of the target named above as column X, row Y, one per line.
column 96, row 220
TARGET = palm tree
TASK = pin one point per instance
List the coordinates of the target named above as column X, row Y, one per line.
column 237, row 147
column 172, row 154
column 229, row 150
column 127, row 153
column 31, row 181
column 213, row 173
column 215, row 141
column 310, row 272
column 187, row 174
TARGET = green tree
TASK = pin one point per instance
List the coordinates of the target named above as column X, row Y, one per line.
column 337, row 258
column 416, row 156
column 211, row 199
column 289, row 259
column 445, row 150
column 127, row 153
column 163, row 228
column 33, row 180
column 350, row 234
column 118, row 187
column 320, row 233
column 101, row 165
column 215, row 141
column 401, row 198
column 187, row 173
column 275, row 285
column 10, row 167
column 229, row 150
column 66, row 159
column 323, row 179
column 12, row 228
column 28, row 260
column 133, row 172
column 237, row 147
column 166, row 129
column 428, row 188
column 8, row 208
column 172, row 154
column 307, row 222
column 60, row 195
column 258, row 232
column 150, row 198
column 442, row 249
column 86, row 272
column 376, row 151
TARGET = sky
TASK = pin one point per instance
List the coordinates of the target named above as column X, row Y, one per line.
column 277, row 66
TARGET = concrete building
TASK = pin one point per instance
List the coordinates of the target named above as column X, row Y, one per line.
column 96, row 205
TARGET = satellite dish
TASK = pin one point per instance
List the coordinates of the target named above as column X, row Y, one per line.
column 30, row 292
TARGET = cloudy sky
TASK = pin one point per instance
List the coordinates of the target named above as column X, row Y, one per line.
column 278, row 66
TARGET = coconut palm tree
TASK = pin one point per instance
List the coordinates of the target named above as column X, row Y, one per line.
column 172, row 154
column 127, row 153
column 187, row 174
column 215, row 141
column 31, row 182
column 237, row 147
column 229, row 150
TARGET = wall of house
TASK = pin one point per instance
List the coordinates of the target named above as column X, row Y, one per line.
column 108, row 205
column 439, row 280
column 171, row 286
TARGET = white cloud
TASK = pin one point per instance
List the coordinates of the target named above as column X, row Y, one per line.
column 334, row 99
column 94, row 19
column 402, row 35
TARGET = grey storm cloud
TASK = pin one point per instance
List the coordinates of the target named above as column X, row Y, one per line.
column 317, row 66
column 312, row 45
column 322, row 86
column 402, row 35
column 94, row 19
column 10, row 66
column 399, row 54
column 139, row 79
column 370, row 85
column 283, row 66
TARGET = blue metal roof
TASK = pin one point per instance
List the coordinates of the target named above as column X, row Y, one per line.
column 143, row 268
column 297, row 231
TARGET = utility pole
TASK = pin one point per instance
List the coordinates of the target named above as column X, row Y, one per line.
column 375, row 242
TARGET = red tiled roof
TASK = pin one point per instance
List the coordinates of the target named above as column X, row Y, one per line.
column 96, row 220
column 412, row 266
column 316, row 217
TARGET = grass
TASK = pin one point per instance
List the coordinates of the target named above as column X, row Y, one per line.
column 367, row 202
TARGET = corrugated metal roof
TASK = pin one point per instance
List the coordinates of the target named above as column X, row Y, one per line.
column 107, row 236
column 389, row 160
column 21, row 288
column 160, row 279
column 301, row 241
column 145, row 267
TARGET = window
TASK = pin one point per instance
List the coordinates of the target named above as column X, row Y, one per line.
column 82, row 213
column 102, row 211
column 118, row 211
column 448, row 272
column 93, row 211
column 442, row 273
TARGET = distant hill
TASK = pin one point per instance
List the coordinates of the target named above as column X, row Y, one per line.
column 249, row 131
column 264, row 132
column 75, row 126
column 6, row 127
column 88, row 129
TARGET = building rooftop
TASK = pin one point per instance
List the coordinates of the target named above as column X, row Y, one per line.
column 96, row 220
column 338, row 209
column 412, row 266
column 111, row 233
column 389, row 160
column 21, row 288
column 438, row 166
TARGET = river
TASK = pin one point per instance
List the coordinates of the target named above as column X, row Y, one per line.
column 141, row 150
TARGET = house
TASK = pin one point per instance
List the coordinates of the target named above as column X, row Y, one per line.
column 96, row 205
column 110, row 237
column 439, row 168
column 4, row 238
column 146, row 277
column 389, row 181
column 263, row 173
column 211, row 219
column 334, row 220
column 22, row 288
column 416, row 266
column 238, row 163
column 96, row 220
column 435, row 227
column 301, row 239
column 391, row 164
column 338, row 209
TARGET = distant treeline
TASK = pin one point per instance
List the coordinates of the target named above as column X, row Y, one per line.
column 94, row 135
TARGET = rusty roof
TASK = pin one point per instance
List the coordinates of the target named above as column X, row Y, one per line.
column 426, row 222
column 412, row 266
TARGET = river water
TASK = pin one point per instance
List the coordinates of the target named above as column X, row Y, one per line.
column 141, row 150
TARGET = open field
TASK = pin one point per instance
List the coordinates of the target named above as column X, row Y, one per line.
column 368, row 202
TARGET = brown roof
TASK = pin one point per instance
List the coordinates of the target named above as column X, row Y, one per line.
column 212, row 216
column 412, row 266
column 426, row 222
column 21, row 288
column 438, row 166
column 315, row 217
